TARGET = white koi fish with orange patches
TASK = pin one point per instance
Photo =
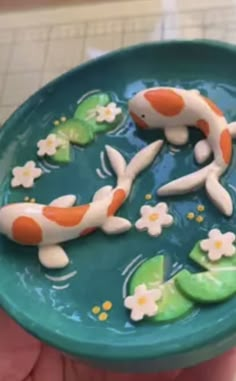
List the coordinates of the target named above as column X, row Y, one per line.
column 47, row 226
column 172, row 110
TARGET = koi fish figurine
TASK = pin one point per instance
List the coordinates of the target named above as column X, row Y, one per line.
column 172, row 110
column 47, row 226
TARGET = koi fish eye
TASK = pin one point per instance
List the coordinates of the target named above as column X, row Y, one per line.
column 143, row 116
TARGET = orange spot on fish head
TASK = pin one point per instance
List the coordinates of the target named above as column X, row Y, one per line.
column 166, row 102
column 66, row 217
column 226, row 146
column 26, row 231
column 119, row 197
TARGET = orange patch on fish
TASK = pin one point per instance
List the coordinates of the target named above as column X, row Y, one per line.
column 118, row 199
column 65, row 216
column 203, row 125
column 166, row 102
column 87, row 231
column 213, row 106
column 139, row 121
column 26, row 230
column 226, row 145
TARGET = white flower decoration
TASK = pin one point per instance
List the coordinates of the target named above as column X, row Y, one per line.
column 107, row 113
column 25, row 175
column 49, row 145
column 143, row 302
column 218, row 245
column 153, row 218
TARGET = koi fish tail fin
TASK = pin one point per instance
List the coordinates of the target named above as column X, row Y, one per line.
column 126, row 174
column 208, row 176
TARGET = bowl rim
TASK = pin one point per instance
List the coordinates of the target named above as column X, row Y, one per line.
column 91, row 349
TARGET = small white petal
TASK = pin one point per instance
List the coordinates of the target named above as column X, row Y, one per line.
column 37, row 172
column 140, row 289
column 15, row 182
column 27, row 182
column 146, row 210
column 215, row 234
column 17, row 171
column 155, row 229
column 229, row 251
column 152, row 309
column 141, row 224
column 41, row 152
column 161, row 208
column 117, row 111
column 214, row 255
column 137, row 314
column 111, row 105
column 29, row 165
column 205, row 244
column 167, row 220
column 229, row 236
column 129, row 302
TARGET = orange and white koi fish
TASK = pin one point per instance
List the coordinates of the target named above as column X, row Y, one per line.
column 172, row 110
column 47, row 226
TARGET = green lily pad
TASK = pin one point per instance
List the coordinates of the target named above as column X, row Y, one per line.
column 173, row 305
column 200, row 257
column 150, row 273
column 72, row 131
column 87, row 105
column 207, row 287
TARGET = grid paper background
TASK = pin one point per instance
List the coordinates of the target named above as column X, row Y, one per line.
column 32, row 56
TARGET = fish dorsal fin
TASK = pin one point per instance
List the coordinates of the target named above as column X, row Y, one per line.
column 64, row 201
column 102, row 193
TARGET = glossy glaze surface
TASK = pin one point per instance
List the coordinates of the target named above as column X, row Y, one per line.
column 63, row 317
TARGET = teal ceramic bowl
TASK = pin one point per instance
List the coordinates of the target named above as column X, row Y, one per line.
column 60, row 312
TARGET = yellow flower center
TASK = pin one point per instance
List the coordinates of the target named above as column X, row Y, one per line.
column 49, row 143
column 142, row 300
column 26, row 172
column 153, row 217
column 218, row 244
column 108, row 112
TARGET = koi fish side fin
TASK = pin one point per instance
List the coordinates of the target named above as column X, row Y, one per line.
column 53, row 257
column 195, row 91
column 116, row 225
column 64, row 201
column 218, row 194
column 117, row 161
column 102, row 193
column 232, row 129
column 186, row 183
column 143, row 159
column 202, row 151
column 177, row 135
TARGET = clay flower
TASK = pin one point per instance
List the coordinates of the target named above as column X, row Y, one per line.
column 153, row 218
column 143, row 302
column 25, row 175
column 49, row 145
column 218, row 245
column 107, row 113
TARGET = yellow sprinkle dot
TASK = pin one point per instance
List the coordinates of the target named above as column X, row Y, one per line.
column 201, row 208
column 190, row 216
column 33, row 200
column 107, row 306
column 26, row 198
column 63, row 119
column 103, row 316
column 148, row 196
column 199, row 219
column 96, row 310
column 56, row 122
